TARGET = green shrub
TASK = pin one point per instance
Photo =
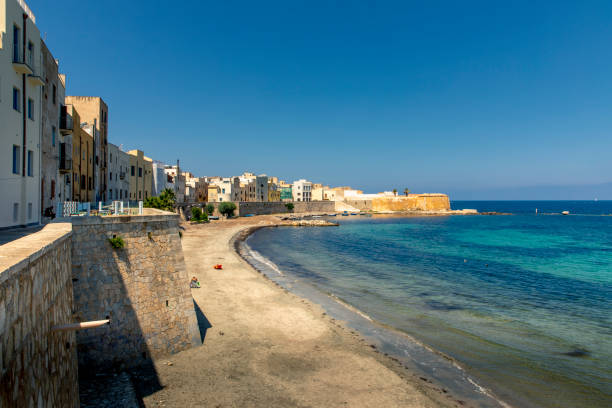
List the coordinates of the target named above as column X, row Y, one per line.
column 165, row 201
column 289, row 206
column 227, row 208
column 210, row 209
column 116, row 242
column 197, row 215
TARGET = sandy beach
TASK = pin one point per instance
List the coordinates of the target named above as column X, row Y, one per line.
column 267, row 347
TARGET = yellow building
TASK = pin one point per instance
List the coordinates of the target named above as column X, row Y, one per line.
column 141, row 175
column 82, row 160
column 274, row 194
column 213, row 193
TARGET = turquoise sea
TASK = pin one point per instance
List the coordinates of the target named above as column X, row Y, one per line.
column 523, row 302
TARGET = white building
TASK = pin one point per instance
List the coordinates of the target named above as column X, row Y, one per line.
column 118, row 183
column 229, row 189
column 175, row 182
column 20, row 115
column 159, row 178
column 302, row 190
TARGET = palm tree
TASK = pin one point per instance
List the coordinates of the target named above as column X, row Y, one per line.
column 406, row 192
column 395, row 191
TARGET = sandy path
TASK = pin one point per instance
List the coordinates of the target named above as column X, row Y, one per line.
column 270, row 348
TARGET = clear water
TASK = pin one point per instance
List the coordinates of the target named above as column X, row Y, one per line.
column 523, row 302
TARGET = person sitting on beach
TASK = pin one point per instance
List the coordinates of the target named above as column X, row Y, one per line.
column 194, row 283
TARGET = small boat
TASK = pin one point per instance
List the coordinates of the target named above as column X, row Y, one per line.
column 218, row 266
column 565, row 212
column 354, row 214
column 213, row 217
column 248, row 215
column 331, row 215
column 345, row 214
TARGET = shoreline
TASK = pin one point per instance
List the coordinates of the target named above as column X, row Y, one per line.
column 485, row 396
column 266, row 346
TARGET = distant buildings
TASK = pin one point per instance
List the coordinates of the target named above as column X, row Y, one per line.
column 302, row 190
column 141, row 175
column 118, row 180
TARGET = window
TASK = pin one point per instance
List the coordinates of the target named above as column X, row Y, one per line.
column 30, row 109
column 29, row 211
column 133, row 171
column 54, row 94
column 121, row 194
column 83, row 181
column 139, row 194
column 15, row 212
column 17, row 99
column 89, row 184
column 111, row 176
column 30, row 163
column 16, row 50
column 111, row 156
column 140, row 172
column 53, row 132
column 16, row 159
column 110, row 194
column 52, row 188
column 31, row 54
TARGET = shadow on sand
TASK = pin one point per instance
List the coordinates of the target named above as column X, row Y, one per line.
column 203, row 323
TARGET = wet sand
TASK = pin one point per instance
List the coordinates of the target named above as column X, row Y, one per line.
column 266, row 347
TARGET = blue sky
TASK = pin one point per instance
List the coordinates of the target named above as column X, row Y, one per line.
column 470, row 98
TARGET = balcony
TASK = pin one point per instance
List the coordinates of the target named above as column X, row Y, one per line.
column 65, row 164
column 66, row 123
column 35, row 79
column 122, row 175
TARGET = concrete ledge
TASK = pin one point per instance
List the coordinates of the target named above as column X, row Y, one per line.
column 122, row 219
column 18, row 254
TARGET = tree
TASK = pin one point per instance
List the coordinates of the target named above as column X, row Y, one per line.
column 289, row 206
column 165, row 201
column 227, row 208
column 406, row 192
column 210, row 209
column 197, row 215
column 395, row 191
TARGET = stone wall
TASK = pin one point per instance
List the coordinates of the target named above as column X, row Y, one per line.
column 264, row 208
column 258, row 208
column 412, row 202
column 38, row 367
column 143, row 288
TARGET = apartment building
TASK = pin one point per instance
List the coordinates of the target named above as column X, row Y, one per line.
column 302, row 190
column 286, row 191
column 94, row 116
column 274, row 194
column 51, row 181
column 20, row 117
column 140, row 176
column 229, row 189
column 323, row 193
column 118, row 166
column 176, row 182
column 82, row 174
column 196, row 188
column 159, row 177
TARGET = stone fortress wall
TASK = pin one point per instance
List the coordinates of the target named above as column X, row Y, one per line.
column 38, row 367
column 412, row 202
column 142, row 288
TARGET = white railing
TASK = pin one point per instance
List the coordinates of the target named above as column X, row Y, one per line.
column 27, row 10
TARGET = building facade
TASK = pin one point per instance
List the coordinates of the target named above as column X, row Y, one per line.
column 52, row 102
column 302, row 190
column 82, row 159
column 140, row 176
column 159, row 177
column 94, row 115
column 175, row 181
column 118, row 179
column 20, row 117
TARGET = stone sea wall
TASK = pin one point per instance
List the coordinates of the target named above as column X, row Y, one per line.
column 38, row 367
column 412, row 202
column 265, row 208
column 142, row 288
